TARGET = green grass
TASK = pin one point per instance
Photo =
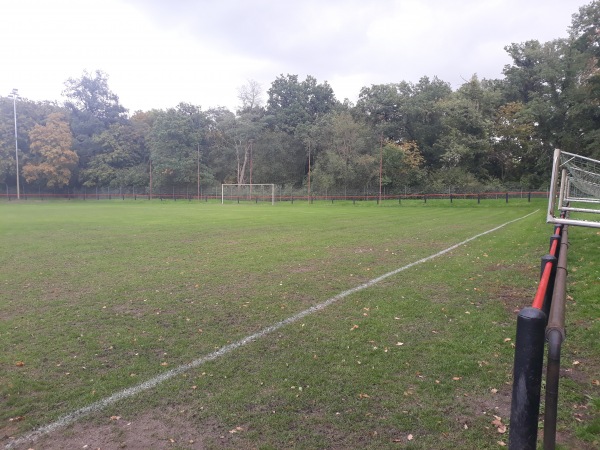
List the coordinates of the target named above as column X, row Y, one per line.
column 99, row 296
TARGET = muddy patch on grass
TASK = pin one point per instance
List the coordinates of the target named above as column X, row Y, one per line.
column 514, row 299
column 158, row 429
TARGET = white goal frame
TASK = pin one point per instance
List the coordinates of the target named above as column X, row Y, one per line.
column 250, row 186
column 575, row 180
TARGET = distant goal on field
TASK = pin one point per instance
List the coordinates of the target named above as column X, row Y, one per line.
column 248, row 193
column 574, row 188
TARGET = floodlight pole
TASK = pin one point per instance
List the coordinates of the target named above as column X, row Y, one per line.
column 380, row 167
column 150, row 179
column 250, row 169
column 14, row 94
column 309, row 171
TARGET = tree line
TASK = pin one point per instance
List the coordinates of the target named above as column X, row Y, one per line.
column 486, row 134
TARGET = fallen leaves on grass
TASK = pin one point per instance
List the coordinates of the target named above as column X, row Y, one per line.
column 410, row 437
column 354, row 327
column 497, row 422
column 19, row 364
column 115, row 417
column 236, row 430
column 361, row 395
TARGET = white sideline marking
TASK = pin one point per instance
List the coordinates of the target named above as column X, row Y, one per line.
column 152, row 382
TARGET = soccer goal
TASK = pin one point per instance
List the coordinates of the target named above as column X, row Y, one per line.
column 574, row 187
column 248, row 192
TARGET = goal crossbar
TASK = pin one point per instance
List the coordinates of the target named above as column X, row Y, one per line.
column 248, row 191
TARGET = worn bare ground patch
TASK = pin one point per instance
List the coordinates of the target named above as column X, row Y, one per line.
column 567, row 440
column 514, row 299
column 155, row 429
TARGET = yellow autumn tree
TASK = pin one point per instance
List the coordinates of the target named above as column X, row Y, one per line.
column 402, row 164
column 53, row 160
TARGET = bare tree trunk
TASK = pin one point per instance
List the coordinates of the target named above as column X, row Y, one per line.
column 241, row 163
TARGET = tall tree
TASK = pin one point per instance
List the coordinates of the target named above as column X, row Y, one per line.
column 544, row 78
column 424, row 115
column 123, row 157
column 52, row 157
column 292, row 102
column 250, row 96
column 403, row 112
column 466, row 134
column 233, row 139
column 402, row 165
column 585, row 35
column 381, row 105
column 348, row 158
column 93, row 108
column 177, row 136
column 29, row 114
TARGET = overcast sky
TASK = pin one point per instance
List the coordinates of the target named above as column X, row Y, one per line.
column 158, row 53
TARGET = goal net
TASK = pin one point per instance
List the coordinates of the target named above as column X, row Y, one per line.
column 574, row 188
column 233, row 193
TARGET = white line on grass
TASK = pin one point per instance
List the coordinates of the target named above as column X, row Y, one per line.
column 149, row 384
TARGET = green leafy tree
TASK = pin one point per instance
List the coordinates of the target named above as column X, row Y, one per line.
column 348, row 159
column 545, row 78
column 123, row 155
column 466, row 122
column 176, row 139
column 423, row 117
column 93, row 108
column 402, row 165
column 513, row 152
column 585, row 36
column 279, row 158
column 233, row 140
column 405, row 111
column 292, row 103
column 382, row 106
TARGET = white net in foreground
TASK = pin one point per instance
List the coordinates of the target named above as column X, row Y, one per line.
column 574, row 188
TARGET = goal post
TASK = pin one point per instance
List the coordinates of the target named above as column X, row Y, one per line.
column 574, row 187
column 248, row 192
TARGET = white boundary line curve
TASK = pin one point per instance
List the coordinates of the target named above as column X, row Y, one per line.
column 152, row 382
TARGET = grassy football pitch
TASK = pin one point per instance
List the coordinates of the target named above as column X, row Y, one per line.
column 100, row 296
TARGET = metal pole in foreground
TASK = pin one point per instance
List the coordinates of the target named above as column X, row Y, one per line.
column 15, row 94
column 527, row 379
